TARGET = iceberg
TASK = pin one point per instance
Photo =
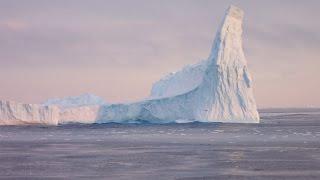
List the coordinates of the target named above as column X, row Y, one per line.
column 218, row 89
column 220, row 92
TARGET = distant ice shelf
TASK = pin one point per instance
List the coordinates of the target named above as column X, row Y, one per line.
column 86, row 99
column 218, row 89
column 12, row 113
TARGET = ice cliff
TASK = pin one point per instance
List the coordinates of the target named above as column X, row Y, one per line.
column 77, row 109
column 218, row 89
column 12, row 113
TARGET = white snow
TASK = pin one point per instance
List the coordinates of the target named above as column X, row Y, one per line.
column 179, row 82
column 75, row 101
column 218, row 89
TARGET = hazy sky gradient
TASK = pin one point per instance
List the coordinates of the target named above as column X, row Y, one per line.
column 117, row 49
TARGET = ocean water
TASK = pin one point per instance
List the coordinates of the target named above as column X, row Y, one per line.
column 285, row 145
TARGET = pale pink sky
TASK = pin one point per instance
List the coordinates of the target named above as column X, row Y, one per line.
column 117, row 49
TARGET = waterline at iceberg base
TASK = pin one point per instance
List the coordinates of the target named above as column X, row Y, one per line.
column 221, row 91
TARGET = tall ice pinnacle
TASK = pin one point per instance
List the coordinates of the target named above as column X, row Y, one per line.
column 226, row 81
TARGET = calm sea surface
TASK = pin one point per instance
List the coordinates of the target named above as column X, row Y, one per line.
column 285, row 145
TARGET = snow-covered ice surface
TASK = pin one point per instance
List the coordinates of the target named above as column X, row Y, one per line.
column 180, row 82
column 285, row 145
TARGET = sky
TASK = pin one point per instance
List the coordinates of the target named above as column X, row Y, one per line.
column 117, row 49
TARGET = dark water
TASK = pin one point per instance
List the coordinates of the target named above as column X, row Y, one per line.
column 285, row 145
